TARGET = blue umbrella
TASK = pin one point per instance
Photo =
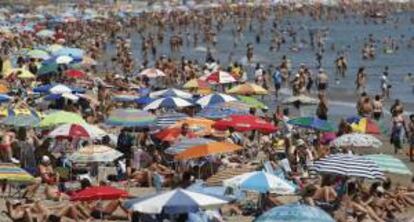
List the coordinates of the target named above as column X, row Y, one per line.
column 4, row 98
column 295, row 213
column 168, row 103
column 14, row 118
column 215, row 98
column 72, row 52
column 217, row 113
column 174, row 202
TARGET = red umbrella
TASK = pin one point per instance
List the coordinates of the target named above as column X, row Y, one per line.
column 243, row 123
column 73, row 73
column 99, row 193
column 171, row 134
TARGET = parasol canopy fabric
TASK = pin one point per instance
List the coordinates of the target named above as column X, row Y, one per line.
column 357, row 140
column 99, row 193
column 252, row 102
column 61, row 117
column 245, row 123
column 168, row 103
column 82, row 130
column 295, row 213
column 364, row 125
column 218, row 77
column 313, row 123
column 185, row 144
column 207, row 149
column 214, row 98
column 390, row 164
column 95, row 153
column 248, row 89
column 152, row 73
column 14, row 174
column 130, row 118
column 171, row 92
column 198, row 126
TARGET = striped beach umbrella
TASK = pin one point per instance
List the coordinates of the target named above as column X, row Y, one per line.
column 152, row 73
column 168, row 119
column 174, row 202
column 130, row 118
column 389, row 164
column 171, row 92
column 73, row 130
column 13, row 174
column 295, row 212
column 185, row 144
column 168, row 103
column 348, row 165
column 20, row 117
column 95, row 153
column 218, row 77
column 214, row 98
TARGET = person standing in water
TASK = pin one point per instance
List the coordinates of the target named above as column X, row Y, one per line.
column 322, row 80
column 385, row 86
column 361, row 79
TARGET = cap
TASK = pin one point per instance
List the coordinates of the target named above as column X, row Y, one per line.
column 45, row 159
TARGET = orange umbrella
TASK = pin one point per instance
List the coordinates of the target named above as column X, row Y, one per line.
column 207, row 149
column 198, row 126
column 4, row 88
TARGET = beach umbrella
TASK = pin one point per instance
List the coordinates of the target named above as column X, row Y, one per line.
column 124, row 98
column 252, row 102
column 390, row 164
column 130, row 118
column 72, row 130
column 144, row 100
column 207, row 149
column 4, row 98
column 168, row 103
column 168, row 119
column 261, row 182
column 60, row 89
column 183, row 145
column 95, row 153
column 312, row 123
column 48, row 68
column 11, row 173
column 348, row 165
column 172, row 134
column 301, row 99
column 61, row 117
column 152, row 73
column 364, row 125
column 218, row 77
column 54, row 47
column 248, row 89
column 76, row 74
column 295, row 212
column 38, row 54
column 20, row 117
column 75, row 53
column 216, row 113
column 233, row 105
column 173, row 202
column 99, row 193
column 21, row 73
column 199, row 126
column 63, row 59
column 214, row 98
column 196, row 84
column 357, row 140
column 45, row 33
column 243, row 123
column 171, row 93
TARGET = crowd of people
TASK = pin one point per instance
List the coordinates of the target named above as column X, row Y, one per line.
column 113, row 69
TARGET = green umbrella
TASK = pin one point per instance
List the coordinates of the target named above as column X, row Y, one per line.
column 38, row 54
column 313, row 123
column 252, row 102
column 47, row 68
column 61, row 117
column 390, row 164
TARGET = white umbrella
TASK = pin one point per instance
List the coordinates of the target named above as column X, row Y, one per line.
column 64, row 59
column 171, row 92
column 357, row 140
column 60, row 89
column 214, row 98
column 95, row 153
column 168, row 102
column 76, row 130
column 152, row 73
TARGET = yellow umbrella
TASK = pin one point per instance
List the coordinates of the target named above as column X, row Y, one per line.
column 7, row 66
column 248, row 89
column 54, row 47
column 21, row 73
column 14, row 174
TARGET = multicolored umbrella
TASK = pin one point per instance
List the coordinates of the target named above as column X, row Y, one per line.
column 217, row 113
column 218, row 77
column 349, row 166
column 390, row 164
column 174, row 202
column 61, row 117
column 168, row 103
column 171, row 92
column 252, row 102
column 168, row 119
column 196, row 84
column 24, row 117
column 245, row 123
column 214, row 98
column 95, row 153
column 13, row 174
column 207, row 149
column 71, row 130
column 172, row 134
column 312, row 123
column 185, row 144
column 99, row 193
column 364, row 125
column 295, row 213
column 260, row 181
column 152, row 73
column 357, row 140
column 248, row 89
column 130, row 118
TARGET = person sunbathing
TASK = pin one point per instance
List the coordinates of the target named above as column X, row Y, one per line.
column 98, row 211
